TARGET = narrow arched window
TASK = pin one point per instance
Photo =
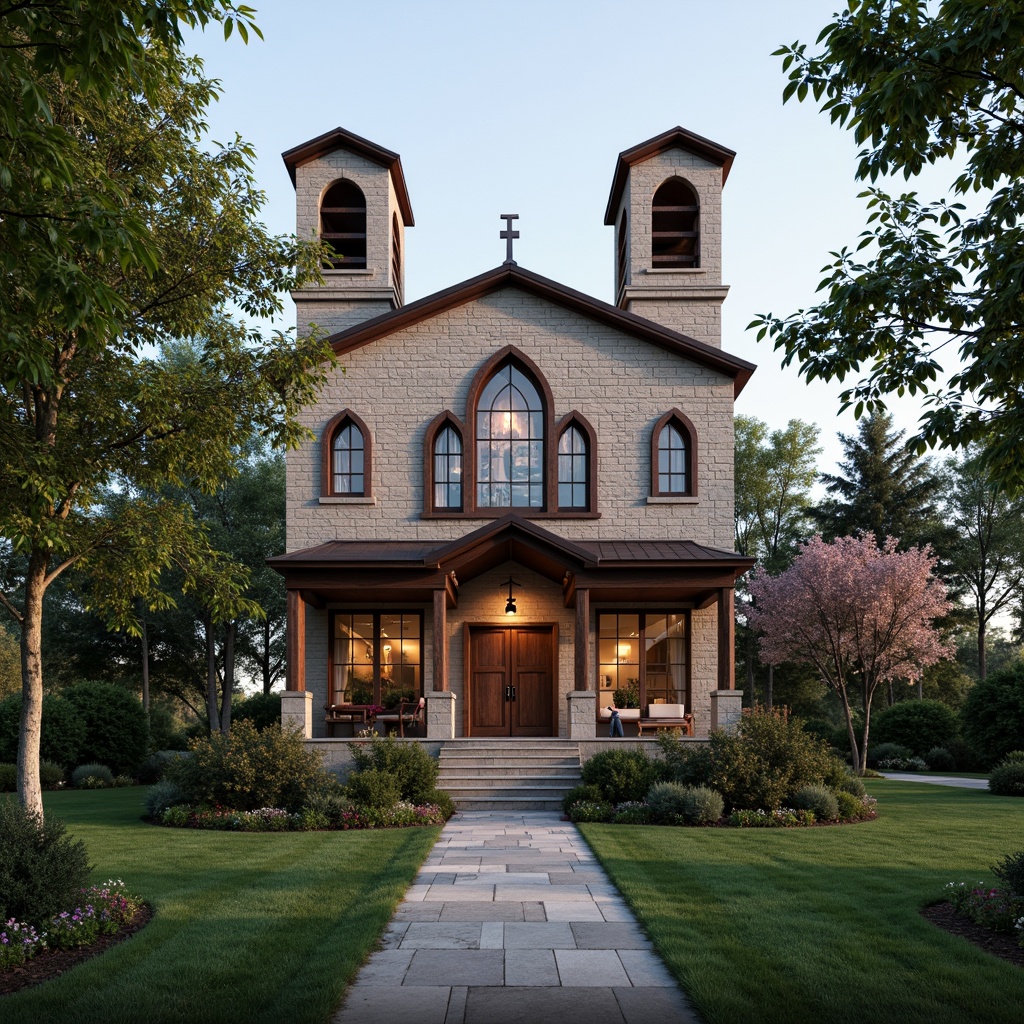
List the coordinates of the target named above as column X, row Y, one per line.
column 572, row 470
column 448, row 470
column 675, row 227
column 674, row 457
column 622, row 252
column 348, row 463
column 510, row 442
column 343, row 225
column 396, row 257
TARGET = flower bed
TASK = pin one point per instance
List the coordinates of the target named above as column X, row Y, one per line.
column 103, row 910
column 275, row 819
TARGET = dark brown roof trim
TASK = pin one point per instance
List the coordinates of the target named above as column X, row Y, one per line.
column 512, row 275
column 338, row 138
column 511, row 524
column 674, row 138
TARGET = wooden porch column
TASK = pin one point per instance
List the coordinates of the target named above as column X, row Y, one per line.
column 582, row 650
column 296, row 661
column 726, row 640
column 440, row 639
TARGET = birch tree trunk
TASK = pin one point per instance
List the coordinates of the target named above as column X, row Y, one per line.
column 30, row 792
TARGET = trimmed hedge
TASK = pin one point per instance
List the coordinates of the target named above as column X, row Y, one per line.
column 992, row 718
column 63, row 734
column 116, row 729
column 262, row 709
column 918, row 724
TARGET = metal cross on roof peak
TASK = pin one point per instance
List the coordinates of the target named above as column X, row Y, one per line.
column 508, row 234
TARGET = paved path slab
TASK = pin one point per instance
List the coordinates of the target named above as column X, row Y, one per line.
column 513, row 920
column 937, row 780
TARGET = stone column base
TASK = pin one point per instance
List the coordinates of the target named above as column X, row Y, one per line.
column 582, row 716
column 441, row 715
column 726, row 709
column 297, row 712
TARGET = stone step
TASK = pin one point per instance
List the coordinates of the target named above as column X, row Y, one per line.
column 508, row 803
column 568, row 771
column 511, row 782
column 508, row 763
column 487, row 787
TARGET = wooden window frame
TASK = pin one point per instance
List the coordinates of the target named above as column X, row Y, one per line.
column 689, row 432
column 622, row 254
column 396, row 258
column 436, row 425
column 578, row 420
column 643, row 614
column 342, row 262
column 681, row 262
column 375, row 613
column 344, row 417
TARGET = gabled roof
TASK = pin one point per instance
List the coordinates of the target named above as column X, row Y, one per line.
column 510, row 275
column 338, row 138
column 674, row 138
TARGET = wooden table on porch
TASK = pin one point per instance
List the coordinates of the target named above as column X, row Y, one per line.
column 348, row 714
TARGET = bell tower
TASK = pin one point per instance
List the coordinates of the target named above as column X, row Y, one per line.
column 666, row 208
column 351, row 194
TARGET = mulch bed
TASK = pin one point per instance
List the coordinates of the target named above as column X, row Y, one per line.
column 943, row 916
column 52, row 965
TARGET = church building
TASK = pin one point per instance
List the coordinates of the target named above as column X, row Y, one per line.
column 518, row 502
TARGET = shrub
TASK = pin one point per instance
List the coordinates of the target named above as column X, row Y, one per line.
column 783, row 817
column 666, row 801
column 586, row 810
column 841, row 779
column 1010, row 871
column 442, row 801
column 689, row 764
column 51, row 776
column 819, row 799
column 154, row 767
column 850, row 807
column 160, row 796
column 8, row 778
column 373, row 788
column 622, row 775
column 1007, row 779
column 406, row 760
column 166, row 729
column 247, row 769
column 902, row 764
column 939, row 759
column 42, row 871
column 992, row 718
column 632, row 813
column 886, row 752
column 991, row 908
column 327, row 809
column 917, row 724
column 63, row 732
column 262, row 709
column 766, row 759
column 92, row 776
column 702, row 806
column 1013, row 757
column 116, row 729
column 592, row 794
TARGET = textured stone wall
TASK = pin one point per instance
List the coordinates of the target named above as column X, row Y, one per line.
column 620, row 384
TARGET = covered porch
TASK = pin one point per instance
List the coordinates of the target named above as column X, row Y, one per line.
column 438, row 615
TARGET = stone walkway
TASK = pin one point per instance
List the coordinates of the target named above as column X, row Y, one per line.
column 513, row 920
column 937, row 780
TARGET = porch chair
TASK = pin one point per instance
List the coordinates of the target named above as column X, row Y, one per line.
column 407, row 713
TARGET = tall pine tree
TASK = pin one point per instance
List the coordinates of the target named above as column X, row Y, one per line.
column 881, row 488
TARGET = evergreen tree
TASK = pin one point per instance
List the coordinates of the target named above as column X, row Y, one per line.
column 882, row 489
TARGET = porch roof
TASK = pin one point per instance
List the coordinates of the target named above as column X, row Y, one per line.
column 412, row 570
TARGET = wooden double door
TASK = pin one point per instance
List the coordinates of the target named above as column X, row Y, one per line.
column 511, row 681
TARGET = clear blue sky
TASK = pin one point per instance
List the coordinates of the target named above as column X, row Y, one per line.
column 523, row 107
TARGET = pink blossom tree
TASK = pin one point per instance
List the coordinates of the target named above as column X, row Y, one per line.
column 860, row 614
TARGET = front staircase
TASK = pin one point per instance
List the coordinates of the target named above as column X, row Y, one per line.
column 508, row 774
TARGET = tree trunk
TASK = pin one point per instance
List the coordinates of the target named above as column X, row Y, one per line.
column 769, row 687
column 892, row 694
column 212, row 710
column 920, row 687
column 982, row 661
column 265, row 660
column 145, row 665
column 30, row 791
column 851, row 735
column 230, row 632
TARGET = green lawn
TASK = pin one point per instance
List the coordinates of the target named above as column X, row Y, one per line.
column 247, row 927
column 821, row 925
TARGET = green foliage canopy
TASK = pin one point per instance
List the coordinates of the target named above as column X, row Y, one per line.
column 928, row 290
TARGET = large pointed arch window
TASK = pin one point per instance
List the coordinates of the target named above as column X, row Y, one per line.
column 675, row 226
column 343, row 225
column 510, row 442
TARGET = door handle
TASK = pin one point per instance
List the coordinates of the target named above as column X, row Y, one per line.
column 508, row 693
column 513, row 689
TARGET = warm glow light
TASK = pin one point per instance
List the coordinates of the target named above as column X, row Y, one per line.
column 624, row 650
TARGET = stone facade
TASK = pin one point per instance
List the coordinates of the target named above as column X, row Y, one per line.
column 397, row 383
